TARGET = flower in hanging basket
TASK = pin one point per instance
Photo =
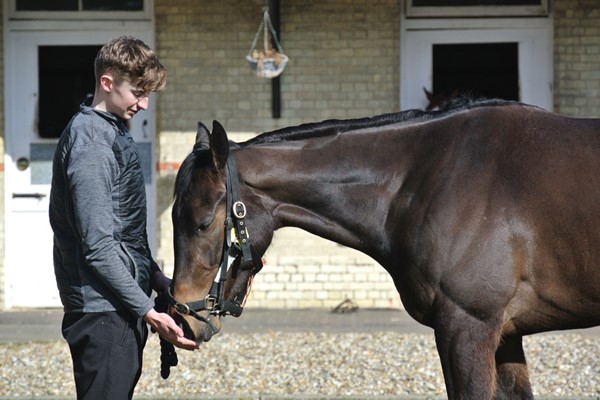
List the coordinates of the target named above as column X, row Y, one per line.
column 267, row 64
column 268, row 54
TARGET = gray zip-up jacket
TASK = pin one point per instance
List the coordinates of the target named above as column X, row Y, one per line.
column 102, row 260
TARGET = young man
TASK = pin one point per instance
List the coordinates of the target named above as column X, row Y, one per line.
column 103, row 266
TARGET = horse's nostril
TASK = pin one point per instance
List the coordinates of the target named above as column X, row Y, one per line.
column 208, row 332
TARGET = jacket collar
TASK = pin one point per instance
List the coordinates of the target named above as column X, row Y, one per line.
column 86, row 108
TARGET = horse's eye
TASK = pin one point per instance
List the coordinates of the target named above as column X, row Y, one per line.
column 203, row 227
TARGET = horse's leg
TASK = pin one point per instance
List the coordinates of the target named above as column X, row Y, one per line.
column 466, row 346
column 511, row 370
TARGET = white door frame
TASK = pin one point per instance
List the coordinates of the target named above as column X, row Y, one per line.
column 21, row 97
column 533, row 35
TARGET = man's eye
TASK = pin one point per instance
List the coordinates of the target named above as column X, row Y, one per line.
column 140, row 94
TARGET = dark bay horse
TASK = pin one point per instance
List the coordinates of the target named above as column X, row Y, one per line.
column 486, row 215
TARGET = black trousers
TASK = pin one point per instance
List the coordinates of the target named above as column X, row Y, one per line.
column 106, row 349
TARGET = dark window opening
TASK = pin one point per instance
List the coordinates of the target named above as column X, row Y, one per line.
column 112, row 5
column 66, row 79
column 480, row 70
column 73, row 5
column 42, row 5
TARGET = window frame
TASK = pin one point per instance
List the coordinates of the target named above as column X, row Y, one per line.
column 540, row 10
column 145, row 14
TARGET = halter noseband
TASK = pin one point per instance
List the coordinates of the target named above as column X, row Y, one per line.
column 236, row 250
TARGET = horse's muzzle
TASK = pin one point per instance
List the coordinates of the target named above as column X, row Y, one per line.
column 199, row 331
column 211, row 328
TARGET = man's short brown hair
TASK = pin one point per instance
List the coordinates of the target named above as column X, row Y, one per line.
column 129, row 58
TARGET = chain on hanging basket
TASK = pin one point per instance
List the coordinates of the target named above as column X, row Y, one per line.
column 269, row 62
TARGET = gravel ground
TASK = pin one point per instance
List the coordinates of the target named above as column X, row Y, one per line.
column 323, row 364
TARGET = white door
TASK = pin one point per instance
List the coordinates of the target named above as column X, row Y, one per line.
column 29, row 272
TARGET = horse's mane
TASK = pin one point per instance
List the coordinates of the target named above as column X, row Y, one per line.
column 335, row 126
column 201, row 156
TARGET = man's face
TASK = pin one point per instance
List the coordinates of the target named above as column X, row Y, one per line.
column 125, row 100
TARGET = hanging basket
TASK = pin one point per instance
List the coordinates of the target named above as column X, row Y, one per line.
column 267, row 65
column 269, row 62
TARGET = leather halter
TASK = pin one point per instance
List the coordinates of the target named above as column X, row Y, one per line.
column 237, row 251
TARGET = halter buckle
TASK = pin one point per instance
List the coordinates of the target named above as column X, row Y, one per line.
column 239, row 209
column 182, row 308
column 211, row 303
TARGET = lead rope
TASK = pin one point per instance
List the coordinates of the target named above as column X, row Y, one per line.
column 168, row 356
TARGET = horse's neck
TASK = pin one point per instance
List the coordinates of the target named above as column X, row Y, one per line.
column 338, row 187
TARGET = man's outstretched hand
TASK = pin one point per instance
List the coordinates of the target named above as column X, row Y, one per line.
column 166, row 327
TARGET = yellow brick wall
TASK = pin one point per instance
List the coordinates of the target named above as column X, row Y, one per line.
column 343, row 63
column 577, row 57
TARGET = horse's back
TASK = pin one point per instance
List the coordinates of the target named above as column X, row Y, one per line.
column 532, row 151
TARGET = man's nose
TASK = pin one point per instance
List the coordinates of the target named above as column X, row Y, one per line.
column 143, row 103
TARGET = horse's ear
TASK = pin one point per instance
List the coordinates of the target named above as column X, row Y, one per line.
column 202, row 137
column 428, row 94
column 219, row 145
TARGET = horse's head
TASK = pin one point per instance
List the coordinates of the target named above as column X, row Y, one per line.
column 439, row 101
column 212, row 266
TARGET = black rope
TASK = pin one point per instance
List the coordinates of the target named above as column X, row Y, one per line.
column 168, row 356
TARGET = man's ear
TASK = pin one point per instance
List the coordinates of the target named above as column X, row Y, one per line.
column 106, row 83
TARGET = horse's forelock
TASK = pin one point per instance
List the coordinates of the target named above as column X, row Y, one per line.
column 183, row 180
